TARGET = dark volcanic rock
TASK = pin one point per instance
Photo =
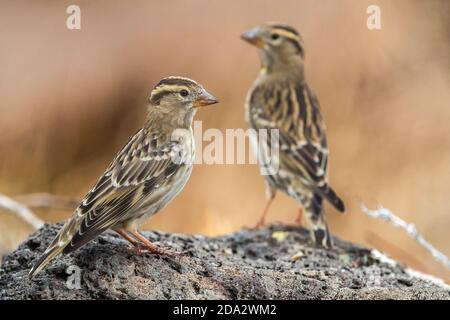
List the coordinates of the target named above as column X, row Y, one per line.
column 249, row 264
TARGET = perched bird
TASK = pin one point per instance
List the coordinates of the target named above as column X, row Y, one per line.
column 281, row 99
column 147, row 173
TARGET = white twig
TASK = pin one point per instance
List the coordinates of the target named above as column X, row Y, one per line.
column 429, row 278
column 48, row 201
column 20, row 211
column 386, row 215
column 411, row 272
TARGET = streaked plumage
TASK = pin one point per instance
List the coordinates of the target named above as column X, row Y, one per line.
column 147, row 173
column 281, row 99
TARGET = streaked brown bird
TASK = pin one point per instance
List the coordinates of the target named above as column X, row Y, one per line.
column 146, row 174
column 281, row 99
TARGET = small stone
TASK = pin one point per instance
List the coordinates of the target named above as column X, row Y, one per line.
column 297, row 256
column 280, row 236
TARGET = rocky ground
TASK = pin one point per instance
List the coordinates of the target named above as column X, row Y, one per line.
column 248, row 264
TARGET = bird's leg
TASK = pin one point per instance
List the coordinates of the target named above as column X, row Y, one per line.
column 262, row 220
column 299, row 218
column 124, row 234
column 152, row 248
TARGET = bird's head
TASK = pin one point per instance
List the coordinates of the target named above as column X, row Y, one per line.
column 179, row 93
column 280, row 45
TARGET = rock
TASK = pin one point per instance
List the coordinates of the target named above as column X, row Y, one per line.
column 248, row 264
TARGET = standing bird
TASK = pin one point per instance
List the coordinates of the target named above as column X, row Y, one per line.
column 281, row 99
column 146, row 174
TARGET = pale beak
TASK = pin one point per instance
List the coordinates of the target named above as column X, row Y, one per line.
column 253, row 36
column 205, row 99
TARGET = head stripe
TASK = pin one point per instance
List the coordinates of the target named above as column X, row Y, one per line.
column 170, row 85
column 291, row 35
column 177, row 80
column 284, row 27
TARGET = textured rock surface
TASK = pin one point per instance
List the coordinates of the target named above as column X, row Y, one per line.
column 243, row 265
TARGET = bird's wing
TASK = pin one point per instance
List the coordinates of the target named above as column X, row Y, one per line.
column 142, row 165
column 302, row 133
column 295, row 112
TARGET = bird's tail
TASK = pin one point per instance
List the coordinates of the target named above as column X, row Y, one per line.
column 321, row 234
column 316, row 222
column 329, row 194
column 52, row 251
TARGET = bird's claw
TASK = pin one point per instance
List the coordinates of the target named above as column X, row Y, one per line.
column 159, row 251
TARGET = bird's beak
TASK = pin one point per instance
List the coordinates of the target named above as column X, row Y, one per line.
column 253, row 36
column 205, row 99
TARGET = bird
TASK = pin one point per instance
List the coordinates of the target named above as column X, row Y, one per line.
column 147, row 173
column 283, row 104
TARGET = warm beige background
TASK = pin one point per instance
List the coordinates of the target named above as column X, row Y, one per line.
column 70, row 99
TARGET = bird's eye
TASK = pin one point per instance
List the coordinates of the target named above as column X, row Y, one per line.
column 184, row 93
column 274, row 36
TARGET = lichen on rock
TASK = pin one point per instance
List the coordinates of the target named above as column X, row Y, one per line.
column 248, row 264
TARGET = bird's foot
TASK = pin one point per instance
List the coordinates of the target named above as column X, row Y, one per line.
column 146, row 246
column 160, row 251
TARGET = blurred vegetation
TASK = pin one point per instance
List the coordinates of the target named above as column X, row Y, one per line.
column 70, row 99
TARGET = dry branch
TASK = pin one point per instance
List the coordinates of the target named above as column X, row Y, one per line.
column 20, row 211
column 48, row 201
column 387, row 215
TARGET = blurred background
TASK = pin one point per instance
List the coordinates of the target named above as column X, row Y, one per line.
column 70, row 99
